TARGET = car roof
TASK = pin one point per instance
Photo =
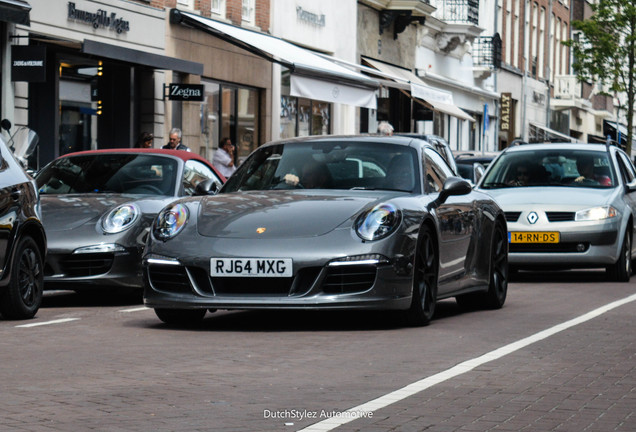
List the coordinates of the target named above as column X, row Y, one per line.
column 366, row 138
column 181, row 154
column 556, row 146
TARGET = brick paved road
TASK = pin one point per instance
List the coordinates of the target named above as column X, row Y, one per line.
column 116, row 368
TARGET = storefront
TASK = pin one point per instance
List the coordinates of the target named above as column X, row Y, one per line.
column 12, row 12
column 101, row 68
column 241, row 68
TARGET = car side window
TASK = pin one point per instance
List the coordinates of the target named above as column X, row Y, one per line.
column 195, row 172
column 436, row 171
column 627, row 169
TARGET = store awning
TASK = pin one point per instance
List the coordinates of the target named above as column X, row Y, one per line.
column 539, row 133
column 436, row 99
column 15, row 11
column 128, row 55
column 312, row 76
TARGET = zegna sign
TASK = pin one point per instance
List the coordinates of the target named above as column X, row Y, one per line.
column 99, row 19
column 184, row 92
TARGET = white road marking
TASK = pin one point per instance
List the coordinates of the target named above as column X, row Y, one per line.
column 58, row 321
column 137, row 309
column 418, row 386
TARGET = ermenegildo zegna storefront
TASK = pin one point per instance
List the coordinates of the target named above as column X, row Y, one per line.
column 88, row 74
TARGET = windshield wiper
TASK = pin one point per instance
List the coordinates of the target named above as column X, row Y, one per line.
column 496, row 185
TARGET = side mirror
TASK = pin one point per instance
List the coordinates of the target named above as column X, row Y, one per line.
column 478, row 170
column 206, row 187
column 452, row 186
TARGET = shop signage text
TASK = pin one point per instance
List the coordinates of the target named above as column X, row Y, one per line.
column 310, row 17
column 506, row 102
column 186, row 92
column 28, row 63
column 99, row 19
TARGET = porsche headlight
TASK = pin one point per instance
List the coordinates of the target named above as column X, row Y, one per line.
column 170, row 221
column 120, row 218
column 378, row 222
column 596, row 213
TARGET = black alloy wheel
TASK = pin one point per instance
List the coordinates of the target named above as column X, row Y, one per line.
column 425, row 274
column 495, row 296
column 498, row 286
column 23, row 296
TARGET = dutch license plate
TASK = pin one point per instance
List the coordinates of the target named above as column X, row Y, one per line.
column 251, row 267
column 533, row 237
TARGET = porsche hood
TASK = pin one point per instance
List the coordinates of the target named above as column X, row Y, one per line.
column 278, row 214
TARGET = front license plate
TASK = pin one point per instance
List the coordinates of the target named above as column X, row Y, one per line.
column 251, row 267
column 533, row 237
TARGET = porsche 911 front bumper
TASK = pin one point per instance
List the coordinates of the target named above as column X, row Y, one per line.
column 356, row 284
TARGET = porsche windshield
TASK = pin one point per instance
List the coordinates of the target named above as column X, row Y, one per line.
column 142, row 174
column 551, row 167
column 328, row 165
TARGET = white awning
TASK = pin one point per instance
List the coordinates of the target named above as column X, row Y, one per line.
column 312, row 76
column 328, row 91
column 539, row 133
column 439, row 100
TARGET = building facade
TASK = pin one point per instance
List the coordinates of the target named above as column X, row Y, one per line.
column 89, row 74
column 532, row 57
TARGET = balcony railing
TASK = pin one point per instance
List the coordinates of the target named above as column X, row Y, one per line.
column 487, row 51
column 565, row 87
column 458, row 11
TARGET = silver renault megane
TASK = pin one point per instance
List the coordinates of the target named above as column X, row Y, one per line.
column 567, row 206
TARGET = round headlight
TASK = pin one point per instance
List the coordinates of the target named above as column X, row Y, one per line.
column 378, row 223
column 170, row 221
column 120, row 218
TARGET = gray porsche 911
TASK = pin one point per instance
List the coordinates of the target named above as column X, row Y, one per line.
column 98, row 207
column 355, row 222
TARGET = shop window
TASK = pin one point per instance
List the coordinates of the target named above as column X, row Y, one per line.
column 233, row 112
column 304, row 117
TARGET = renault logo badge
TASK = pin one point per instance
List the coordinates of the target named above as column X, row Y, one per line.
column 261, row 230
column 533, row 217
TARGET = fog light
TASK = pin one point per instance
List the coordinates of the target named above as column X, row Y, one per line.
column 580, row 247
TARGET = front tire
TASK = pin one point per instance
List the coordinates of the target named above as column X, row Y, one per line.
column 495, row 297
column 22, row 298
column 180, row 316
column 621, row 271
column 425, row 274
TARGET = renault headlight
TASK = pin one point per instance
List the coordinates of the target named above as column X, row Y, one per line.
column 596, row 213
column 170, row 221
column 120, row 218
column 378, row 222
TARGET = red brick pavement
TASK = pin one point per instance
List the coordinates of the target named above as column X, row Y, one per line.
column 582, row 379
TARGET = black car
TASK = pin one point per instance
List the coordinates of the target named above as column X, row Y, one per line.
column 22, row 240
column 471, row 165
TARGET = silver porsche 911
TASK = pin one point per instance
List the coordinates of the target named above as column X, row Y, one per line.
column 330, row 222
column 567, row 206
column 98, row 207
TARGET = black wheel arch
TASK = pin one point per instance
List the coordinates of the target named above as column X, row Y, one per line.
column 32, row 229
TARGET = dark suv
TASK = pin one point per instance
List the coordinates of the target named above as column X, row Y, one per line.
column 22, row 240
